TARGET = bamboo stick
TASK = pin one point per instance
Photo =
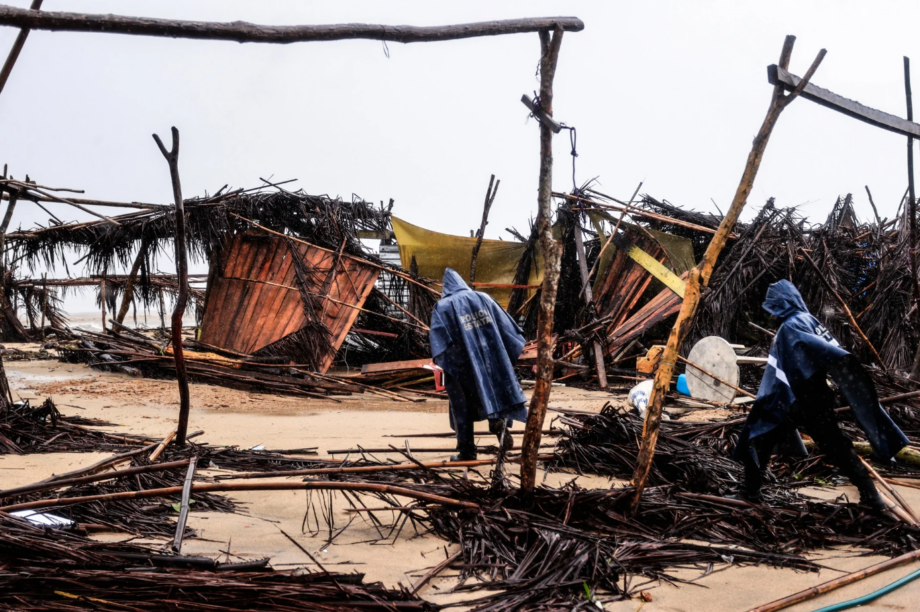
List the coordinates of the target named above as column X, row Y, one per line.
column 68, row 482
column 836, row 583
column 365, row 487
column 162, row 446
column 371, row 469
column 894, row 494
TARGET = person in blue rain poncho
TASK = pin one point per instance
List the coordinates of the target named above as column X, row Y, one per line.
column 477, row 343
column 794, row 393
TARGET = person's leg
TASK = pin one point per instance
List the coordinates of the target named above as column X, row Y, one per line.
column 500, row 428
column 754, row 470
column 820, row 422
column 461, row 421
column 466, row 442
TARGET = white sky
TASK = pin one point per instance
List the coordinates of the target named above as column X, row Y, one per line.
column 669, row 93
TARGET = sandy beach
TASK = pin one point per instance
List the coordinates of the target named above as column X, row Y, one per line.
column 230, row 417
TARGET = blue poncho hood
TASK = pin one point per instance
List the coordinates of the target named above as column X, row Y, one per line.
column 453, row 283
column 802, row 350
column 477, row 344
column 784, row 300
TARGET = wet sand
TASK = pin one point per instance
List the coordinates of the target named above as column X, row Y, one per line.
column 231, row 417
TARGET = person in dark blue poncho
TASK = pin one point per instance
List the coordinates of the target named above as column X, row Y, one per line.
column 794, row 393
column 477, row 343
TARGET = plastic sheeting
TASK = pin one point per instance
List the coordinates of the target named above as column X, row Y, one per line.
column 434, row 252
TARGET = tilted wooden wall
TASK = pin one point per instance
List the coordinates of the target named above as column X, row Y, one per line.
column 255, row 299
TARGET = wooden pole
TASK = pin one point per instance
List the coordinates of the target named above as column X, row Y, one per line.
column 891, row 491
column 552, row 254
column 172, row 158
column 6, row 395
column 490, row 197
column 364, row 487
column 102, row 299
column 912, row 211
column 16, row 49
column 836, row 583
column 241, row 31
column 69, row 482
column 699, row 275
column 44, row 302
column 589, row 305
column 128, row 296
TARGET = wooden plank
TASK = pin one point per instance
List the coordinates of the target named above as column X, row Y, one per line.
column 777, row 76
column 652, row 265
column 394, row 366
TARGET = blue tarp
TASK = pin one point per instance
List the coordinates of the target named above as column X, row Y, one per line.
column 476, row 343
column 803, row 349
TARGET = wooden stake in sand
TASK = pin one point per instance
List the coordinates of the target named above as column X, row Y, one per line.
column 172, row 158
column 699, row 275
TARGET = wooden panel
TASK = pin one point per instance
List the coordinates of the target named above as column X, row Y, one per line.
column 256, row 301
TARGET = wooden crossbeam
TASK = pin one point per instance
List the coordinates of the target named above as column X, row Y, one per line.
column 777, row 76
column 243, row 32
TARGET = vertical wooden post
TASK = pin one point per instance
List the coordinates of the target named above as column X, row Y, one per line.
column 589, row 304
column 102, row 299
column 552, row 253
column 6, row 395
column 44, row 302
column 912, row 212
column 486, row 207
column 699, row 275
column 162, row 310
column 172, row 158
column 16, row 49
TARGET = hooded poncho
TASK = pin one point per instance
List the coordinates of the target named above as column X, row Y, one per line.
column 802, row 350
column 477, row 344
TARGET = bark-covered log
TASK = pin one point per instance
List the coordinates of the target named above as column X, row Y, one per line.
column 241, row 31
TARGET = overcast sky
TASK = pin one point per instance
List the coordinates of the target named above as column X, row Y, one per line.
column 668, row 93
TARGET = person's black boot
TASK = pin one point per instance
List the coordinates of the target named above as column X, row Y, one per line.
column 461, row 456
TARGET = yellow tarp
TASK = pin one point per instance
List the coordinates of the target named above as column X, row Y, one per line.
column 434, row 252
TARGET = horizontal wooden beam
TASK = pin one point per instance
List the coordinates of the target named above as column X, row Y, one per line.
column 242, row 32
column 395, row 366
column 852, row 108
column 31, row 197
